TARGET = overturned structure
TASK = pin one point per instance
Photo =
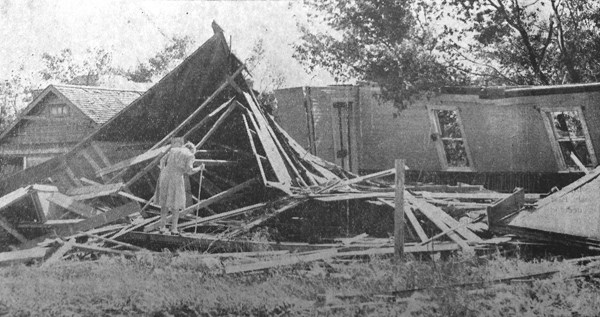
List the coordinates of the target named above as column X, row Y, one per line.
column 258, row 181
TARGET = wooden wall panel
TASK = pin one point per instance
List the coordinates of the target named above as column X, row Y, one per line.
column 291, row 114
column 385, row 137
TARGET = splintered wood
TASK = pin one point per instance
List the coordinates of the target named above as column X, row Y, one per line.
column 259, row 185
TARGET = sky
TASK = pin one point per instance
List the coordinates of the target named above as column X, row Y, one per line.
column 135, row 30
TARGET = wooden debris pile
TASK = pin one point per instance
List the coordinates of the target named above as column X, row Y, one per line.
column 261, row 190
column 568, row 219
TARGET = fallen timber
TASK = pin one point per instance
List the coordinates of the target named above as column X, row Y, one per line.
column 259, row 182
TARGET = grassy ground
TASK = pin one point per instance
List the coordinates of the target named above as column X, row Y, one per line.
column 184, row 285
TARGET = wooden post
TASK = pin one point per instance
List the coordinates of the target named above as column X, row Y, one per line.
column 399, row 212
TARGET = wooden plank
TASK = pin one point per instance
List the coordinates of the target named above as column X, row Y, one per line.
column 282, row 261
column 91, row 248
column 445, row 232
column 482, row 196
column 569, row 188
column 86, row 155
column 221, row 216
column 100, row 153
column 119, row 243
column 411, row 217
column 271, row 151
column 72, row 205
column 6, row 226
column 399, row 211
column 133, row 161
column 433, row 214
column 330, row 197
column 72, row 176
column 234, row 105
column 209, row 201
column 14, row 196
column 135, row 226
column 204, row 104
column 88, row 192
column 356, row 180
column 465, row 232
column 101, row 219
column 59, row 253
column 22, row 256
column 215, row 162
column 505, row 207
column 289, row 203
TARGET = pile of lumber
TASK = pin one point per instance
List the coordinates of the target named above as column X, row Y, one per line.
column 100, row 195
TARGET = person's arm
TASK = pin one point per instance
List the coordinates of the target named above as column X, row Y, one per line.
column 163, row 161
column 190, row 169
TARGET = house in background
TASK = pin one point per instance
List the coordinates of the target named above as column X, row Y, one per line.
column 57, row 119
column 535, row 137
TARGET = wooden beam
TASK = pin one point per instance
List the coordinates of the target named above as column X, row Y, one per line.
column 59, row 253
column 433, row 214
column 23, row 256
column 469, row 196
column 253, row 147
column 356, row 180
column 133, row 161
column 218, row 123
column 209, row 201
column 119, row 243
column 72, row 205
column 14, row 196
column 4, row 224
column 135, row 226
column 200, row 108
column 399, row 212
column 88, row 192
column 100, row 154
column 215, row 162
column 282, row 261
column 91, row 248
column 221, row 216
column 411, row 217
column 101, row 219
column 72, row 176
column 445, row 232
column 86, row 155
column 275, row 158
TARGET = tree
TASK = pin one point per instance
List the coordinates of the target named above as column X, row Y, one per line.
column 525, row 42
column 388, row 42
column 267, row 76
column 417, row 45
column 65, row 68
column 162, row 62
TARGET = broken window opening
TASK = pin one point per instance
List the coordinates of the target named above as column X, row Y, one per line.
column 570, row 134
column 452, row 140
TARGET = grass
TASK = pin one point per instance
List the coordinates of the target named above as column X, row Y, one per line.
column 184, row 284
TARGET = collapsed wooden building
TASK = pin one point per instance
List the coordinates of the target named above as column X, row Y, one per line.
column 258, row 180
column 533, row 137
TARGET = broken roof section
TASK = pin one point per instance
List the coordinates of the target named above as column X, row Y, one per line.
column 206, row 100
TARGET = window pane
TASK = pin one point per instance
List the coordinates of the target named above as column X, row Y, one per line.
column 580, row 150
column 456, row 153
column 567, row 124
column 449, row 126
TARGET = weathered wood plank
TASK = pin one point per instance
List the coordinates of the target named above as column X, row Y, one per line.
column 88, row 192
column 13, row 196
column 209, row 201
column 91, row 248
column 282, row 261
column 22, row 256
column 6, row 226
column 72, row 205
column 221, row 216
column 101, row 219
column 433, row 214
column 505, row 207
column 133, row 161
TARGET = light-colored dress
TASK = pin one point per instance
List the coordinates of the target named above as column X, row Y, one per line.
column 171, row 189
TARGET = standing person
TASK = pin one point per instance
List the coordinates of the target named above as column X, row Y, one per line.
column 177, row 163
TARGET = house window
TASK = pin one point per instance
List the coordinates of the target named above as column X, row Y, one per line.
column 59, row 110
column 570, row 138
column 449, row 137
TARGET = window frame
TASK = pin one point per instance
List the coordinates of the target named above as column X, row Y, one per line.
column 555, row 143
column 439, row 144
column 65, row 110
